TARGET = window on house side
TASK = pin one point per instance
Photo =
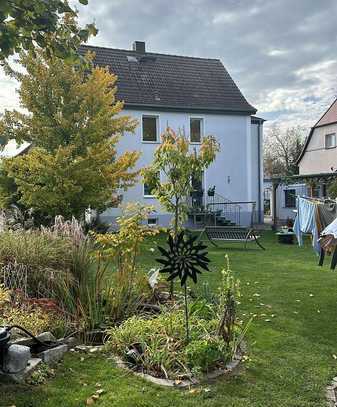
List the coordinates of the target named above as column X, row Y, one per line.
column 195, row 130
column 148, row 188
column 330, row 140
column 290, row 198
column 150, row 128
column 152, row 221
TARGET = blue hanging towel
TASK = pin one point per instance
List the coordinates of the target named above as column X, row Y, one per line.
column 305, row 222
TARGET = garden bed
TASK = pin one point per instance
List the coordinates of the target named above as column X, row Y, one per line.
column 228, row 369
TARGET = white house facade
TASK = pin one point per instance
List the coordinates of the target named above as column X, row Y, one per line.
column 286, row 194
column 198, row 97
column 320, row 151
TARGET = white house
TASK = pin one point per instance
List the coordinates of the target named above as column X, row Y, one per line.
column 285, row 199
column 198, row 96
column 319, row 154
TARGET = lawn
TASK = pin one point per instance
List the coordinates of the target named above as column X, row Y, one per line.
column 292, row 342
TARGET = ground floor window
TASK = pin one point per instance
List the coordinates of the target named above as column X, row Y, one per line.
column 152, row 221
column 149, row 187
column 290, row 198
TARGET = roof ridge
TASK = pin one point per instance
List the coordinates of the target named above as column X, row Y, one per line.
column 326, row 111
column 150, row 53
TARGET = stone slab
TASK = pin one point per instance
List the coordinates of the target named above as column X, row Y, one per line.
column 16, row 358
column 53, row 355
column 22, row 376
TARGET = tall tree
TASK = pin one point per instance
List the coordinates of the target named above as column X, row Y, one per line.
column 27, row 24
column 73, row 125
column 281, row 150
column 178, row 164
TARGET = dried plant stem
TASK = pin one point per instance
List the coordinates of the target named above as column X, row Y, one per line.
column 186, row 315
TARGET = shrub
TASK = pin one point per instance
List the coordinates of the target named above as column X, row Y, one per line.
column 44, row 259
column 163, row 346
column 158, row 345
column 34, row 316
column 128, row 286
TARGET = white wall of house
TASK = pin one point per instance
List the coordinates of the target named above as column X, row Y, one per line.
column 317, row 158
column 283, row 209
column 235, row 172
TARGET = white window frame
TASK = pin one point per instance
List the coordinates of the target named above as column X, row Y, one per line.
column 152, row 116
column 149, row 196
column 325, row 140
column 202, row 129
column 156, row 220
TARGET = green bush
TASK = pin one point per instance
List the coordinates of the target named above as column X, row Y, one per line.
column 162, row 341
column 204, row 354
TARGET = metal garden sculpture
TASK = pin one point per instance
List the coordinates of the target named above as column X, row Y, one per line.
column 185, row 258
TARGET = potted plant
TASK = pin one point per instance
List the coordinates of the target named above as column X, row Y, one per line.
column 211, row 191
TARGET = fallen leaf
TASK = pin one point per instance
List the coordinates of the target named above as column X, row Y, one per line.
column 95, row 396
column 100, row 391
column 194, row 391
column 334, row 356
column 90, row 401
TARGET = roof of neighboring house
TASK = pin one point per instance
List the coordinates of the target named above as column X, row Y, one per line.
column 329, row 117
column 171, row 82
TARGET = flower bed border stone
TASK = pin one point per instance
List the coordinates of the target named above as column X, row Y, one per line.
column 331, row 393
column 228, row 369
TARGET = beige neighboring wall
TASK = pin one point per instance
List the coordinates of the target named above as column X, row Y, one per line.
column 317, row 159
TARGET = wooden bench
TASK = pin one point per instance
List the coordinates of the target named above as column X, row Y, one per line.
column 233, row 234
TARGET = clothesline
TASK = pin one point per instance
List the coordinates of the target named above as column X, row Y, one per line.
column 313, row 216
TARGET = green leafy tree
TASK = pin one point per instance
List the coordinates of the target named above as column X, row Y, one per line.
column 178, row 163
column 73, row 125
column 27, row 24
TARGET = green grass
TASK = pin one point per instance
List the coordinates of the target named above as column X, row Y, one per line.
column 291, row 356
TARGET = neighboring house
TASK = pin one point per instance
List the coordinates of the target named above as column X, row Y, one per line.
column 319, row 154
column 285, row 199
column 317, row 167
column 196, row 96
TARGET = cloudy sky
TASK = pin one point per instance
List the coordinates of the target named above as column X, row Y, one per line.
column 281, row 53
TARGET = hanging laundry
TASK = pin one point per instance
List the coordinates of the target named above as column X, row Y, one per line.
column 306, row 222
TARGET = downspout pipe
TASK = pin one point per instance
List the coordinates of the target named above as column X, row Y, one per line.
column 259, row 172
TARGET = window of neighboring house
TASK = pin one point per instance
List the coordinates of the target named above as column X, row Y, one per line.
column 196, row 130
column 148, row 188
column 290, row 198
column 330, row 140
column 314, row 191
column 150, row 128
column 152, row 221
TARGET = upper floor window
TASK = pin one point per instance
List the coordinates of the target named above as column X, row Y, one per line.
column 290, row 198
column 150, row 128
column 330, row 140
column 196, row 129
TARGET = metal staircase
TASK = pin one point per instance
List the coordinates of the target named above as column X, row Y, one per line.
column 214, row 209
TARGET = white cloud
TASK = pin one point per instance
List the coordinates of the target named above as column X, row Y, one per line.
column 225, row 18
column 277, row 52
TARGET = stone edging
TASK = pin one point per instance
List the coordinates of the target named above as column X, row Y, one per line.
column 229, row 368
column 331, row 391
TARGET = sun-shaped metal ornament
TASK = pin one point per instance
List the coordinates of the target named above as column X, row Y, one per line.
column 184, row 258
